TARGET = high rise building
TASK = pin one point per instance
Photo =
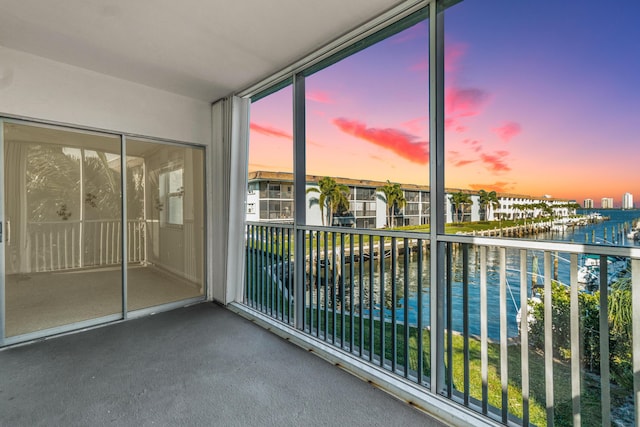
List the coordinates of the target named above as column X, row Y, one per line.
column 627, row 201
column 606, row 203
column 588, row 204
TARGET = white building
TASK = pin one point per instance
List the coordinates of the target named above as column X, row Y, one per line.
column 627, row 201
column 270, row 198
column 588, row 204
column 606, row 203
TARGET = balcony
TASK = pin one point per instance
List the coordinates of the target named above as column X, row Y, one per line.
column 369, row 295
column 174, row 368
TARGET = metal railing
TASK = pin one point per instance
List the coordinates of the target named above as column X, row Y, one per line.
column 344, row 302
column 535, row 333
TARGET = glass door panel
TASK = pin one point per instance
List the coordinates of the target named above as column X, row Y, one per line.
column 62, row 208
column 165, row 223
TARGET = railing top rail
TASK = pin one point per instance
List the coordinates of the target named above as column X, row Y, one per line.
column 271, row 224
column 568, row 247
column 370, row 232
column 78, row 221
column 578, row 248
column 348, row 230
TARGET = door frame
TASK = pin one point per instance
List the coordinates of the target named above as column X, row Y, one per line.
column 124, row 313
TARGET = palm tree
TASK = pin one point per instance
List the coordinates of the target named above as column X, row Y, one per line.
column 333, row 196
column 520, row 208
column 393, row 196
column 459, row 200
column 546, row 208
column 488, row 200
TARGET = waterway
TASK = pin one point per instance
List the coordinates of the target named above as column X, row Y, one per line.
column 609, row 232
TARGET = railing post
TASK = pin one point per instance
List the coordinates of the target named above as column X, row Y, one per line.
column 575, row 341
column 548, row 338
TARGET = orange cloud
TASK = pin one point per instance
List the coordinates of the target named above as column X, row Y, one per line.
column 463, row 162
column 495, row 162
column 269, row 131
column 507, row 131
column 454, row 158
column 399, row 142
column 498, row 187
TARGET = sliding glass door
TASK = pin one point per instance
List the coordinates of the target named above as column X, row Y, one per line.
column 63, row 228
column 165, row 220
column 62, row 209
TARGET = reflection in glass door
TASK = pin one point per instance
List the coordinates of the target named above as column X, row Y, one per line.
column 165, row 220
column 62, row 234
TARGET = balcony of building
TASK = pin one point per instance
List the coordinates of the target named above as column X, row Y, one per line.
column 199, row 365
column 469, row 330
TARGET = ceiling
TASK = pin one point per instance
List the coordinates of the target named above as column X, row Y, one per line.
column 197, row 48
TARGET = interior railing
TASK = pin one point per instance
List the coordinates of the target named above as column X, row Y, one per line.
column 63, row 245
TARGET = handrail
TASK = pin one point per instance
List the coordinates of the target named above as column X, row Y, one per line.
column 577, row 248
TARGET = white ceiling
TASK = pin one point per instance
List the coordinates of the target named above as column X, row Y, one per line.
column 197, row 48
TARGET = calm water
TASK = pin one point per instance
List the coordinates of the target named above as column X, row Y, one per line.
column 606, row 232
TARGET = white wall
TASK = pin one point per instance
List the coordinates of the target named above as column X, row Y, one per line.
column 40, row 88
column 37, row 88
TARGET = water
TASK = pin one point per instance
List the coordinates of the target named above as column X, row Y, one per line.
column 612, row 231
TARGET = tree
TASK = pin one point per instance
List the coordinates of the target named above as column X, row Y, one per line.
column 459, row 200
column 620, row 331
column 333, row 196
column 393, row 196
column 545, row 209
column 488, row 200
column 521, row 207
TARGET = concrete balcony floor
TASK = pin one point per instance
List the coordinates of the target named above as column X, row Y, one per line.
column 196, row 366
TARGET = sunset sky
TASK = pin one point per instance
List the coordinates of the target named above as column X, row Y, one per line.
column 540, row 99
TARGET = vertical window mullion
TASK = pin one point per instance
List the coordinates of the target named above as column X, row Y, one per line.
column 299, row 188
column 436, row 196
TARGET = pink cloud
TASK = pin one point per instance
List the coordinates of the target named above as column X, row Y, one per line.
column 465, row 102
column 507, row 131
column 420, row 66
column 399, row 142
column 499, row 187
column 454, row 157
column 495, row 163
column 453, row 124
column 319, row 96
column 417, row 125
column 452, row 54
column 269, row 131
column 449, row 123
column 474, row 143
